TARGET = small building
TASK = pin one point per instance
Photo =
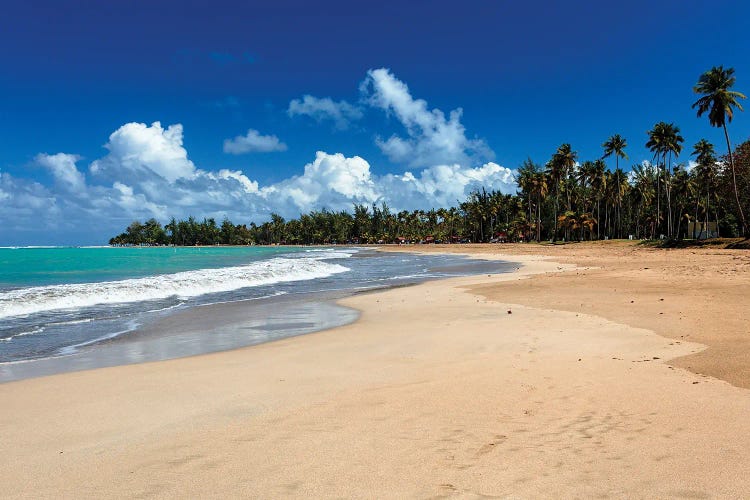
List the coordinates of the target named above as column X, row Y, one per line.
column 702, row 230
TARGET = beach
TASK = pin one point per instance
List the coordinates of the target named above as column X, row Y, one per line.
column 593, row 370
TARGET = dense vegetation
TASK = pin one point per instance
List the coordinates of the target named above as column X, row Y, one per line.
column 564, row 199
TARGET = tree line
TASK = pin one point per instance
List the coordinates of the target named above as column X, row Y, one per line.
column 564, row 199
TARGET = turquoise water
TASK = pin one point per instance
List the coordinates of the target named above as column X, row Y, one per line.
column 21, row 267
column 77, row 303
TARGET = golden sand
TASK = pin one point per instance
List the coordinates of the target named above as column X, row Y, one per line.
column 555, row 381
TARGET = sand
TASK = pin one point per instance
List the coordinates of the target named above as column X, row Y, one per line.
column 547, row 382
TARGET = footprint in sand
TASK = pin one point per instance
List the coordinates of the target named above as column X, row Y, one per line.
column 491, row 445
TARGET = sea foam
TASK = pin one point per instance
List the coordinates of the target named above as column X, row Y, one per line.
column 25, row 301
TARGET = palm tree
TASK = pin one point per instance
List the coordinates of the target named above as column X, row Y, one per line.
column 705, row 155
column 526, row 181
column 615, row 145
column 558, row 167
column 599, row 186
column 665, row 140
column 540, row 189
column 643, row 191
column 719, row 100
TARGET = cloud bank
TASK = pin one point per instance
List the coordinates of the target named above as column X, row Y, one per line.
column 147, row 173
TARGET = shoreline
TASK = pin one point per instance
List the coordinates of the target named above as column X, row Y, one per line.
column 204, row 328
column 690, row 294
column 436, row 390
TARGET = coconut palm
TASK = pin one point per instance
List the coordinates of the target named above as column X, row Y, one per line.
column 599, row 186
column 558, row 167
column 615, row 145
column 719, row 100
column 540, row 189
column 526, row 180
column 664, row 141
column 644, row 176
column 706, row 169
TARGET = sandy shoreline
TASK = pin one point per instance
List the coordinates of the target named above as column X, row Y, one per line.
column 435, row 391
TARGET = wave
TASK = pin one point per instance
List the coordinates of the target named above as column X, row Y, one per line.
column 29, row 247
column 330, row 253
column 25, row 301
column 38, row 329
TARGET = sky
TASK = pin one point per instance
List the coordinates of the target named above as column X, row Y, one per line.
column 117, row 111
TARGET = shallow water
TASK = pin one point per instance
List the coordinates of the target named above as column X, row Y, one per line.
column 255, row 297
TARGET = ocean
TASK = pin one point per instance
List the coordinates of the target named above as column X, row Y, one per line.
column 64, row 309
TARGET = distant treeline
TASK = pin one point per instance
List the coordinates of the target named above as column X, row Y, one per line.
column 565, row 199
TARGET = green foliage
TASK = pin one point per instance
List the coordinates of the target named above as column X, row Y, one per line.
column 566, row 202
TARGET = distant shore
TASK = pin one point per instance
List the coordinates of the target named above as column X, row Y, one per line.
column 562, row 379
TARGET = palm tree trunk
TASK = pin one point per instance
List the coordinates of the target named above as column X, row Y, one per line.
column 734, row 182
column 695, row 224
column 658, row 200
column 708, row 204
column 670, row 220
column 539, row 218
column 554, row 234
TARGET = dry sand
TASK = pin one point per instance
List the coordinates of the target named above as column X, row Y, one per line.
column 436, row 391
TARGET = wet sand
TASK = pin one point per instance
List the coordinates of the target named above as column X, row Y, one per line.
column 508, row 385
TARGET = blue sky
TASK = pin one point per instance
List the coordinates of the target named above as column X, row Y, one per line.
column 526, row 75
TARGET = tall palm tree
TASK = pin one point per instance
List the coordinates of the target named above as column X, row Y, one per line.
column 664, row 141
column 539, row 187
column 599, row 186
column 643, row 189
column 619, row 189
column 558, row 167
column 526, row 180
column 705, row 155
column 615, row 145
column 718, row 100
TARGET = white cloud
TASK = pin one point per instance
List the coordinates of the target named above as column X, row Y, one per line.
column 63, row 169
column 341, row 113
column 237, row 175
column 431, row 138
column 446, row 185
column 331, row 181
column 253, row 142
column 146, row 173
column 137, row 150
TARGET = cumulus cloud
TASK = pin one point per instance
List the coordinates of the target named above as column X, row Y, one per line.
column 147, row 173
column 432, row 139
column 446, row 185
column 341, row 113
column 331, row 181
column 253, row 142
column 63, row 169
column 137, row 150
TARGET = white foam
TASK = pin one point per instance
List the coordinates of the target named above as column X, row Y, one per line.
column 38, row 329
column 331, row 253
column 185, row 284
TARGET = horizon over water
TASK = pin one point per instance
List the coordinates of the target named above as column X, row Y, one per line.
column 92, row 306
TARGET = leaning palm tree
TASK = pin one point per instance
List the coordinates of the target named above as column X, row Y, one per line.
column 615, row 145
column 719, row 100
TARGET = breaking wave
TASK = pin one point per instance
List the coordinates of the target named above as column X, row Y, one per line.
column 25, row 301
